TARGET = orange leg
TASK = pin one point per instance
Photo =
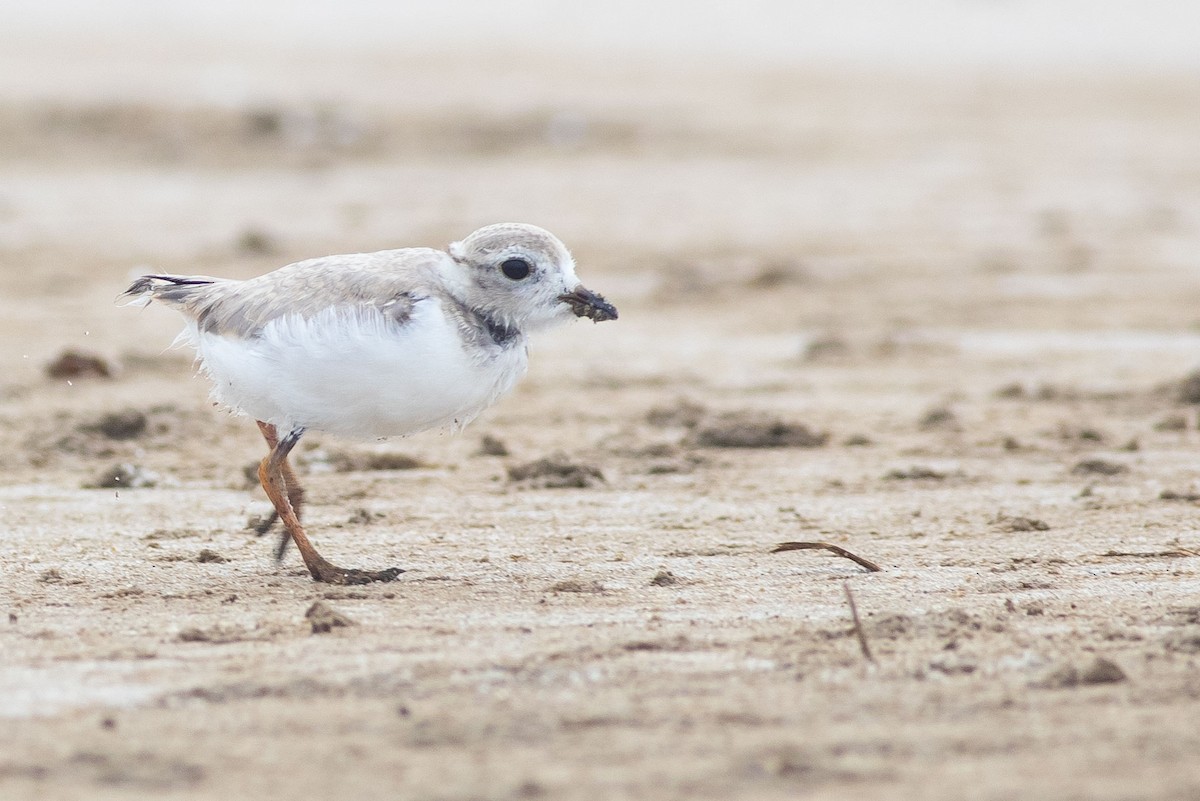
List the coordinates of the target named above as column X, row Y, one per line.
column 271, row 473
column 295, row 493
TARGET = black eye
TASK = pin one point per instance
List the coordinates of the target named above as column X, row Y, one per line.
column 516, row 269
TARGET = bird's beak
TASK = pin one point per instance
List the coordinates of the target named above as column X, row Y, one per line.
column 586, row 303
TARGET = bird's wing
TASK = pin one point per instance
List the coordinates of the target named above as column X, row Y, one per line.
column 389, row 282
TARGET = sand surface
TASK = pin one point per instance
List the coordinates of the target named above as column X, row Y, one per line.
column 977, row 288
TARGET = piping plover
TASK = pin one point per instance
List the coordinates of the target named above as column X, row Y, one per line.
column 373, row 344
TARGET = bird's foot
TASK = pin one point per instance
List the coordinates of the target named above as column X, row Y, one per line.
column 265, row 523
column 331, row 574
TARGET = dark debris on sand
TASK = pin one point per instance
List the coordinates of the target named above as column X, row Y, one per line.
column 1099, row 467
column 753, row 430
column 1188, row 390
column 359, row 461
column 736, row 429
column 1098, row 671
column 914, row 473
column 556, row 471
column 125, row 424
column 491, row 446
column 1019, row 523
column 78, row 364
column 324, row 618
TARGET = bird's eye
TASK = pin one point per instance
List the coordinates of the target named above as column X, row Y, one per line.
column 516, row 269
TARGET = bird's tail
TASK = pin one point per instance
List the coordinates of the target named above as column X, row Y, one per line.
column 174, row 290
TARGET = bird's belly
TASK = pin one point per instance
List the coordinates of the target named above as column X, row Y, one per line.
column 360, row 377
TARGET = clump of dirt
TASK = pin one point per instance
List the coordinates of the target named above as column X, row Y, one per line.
column 364, row 517
column 939, row 418
column 324, row 618
column 1013, row 391
column 361, row 461
column 124, row 476
column 891, row 626
column 576, row 585
column 208, row 555
column 125, row 592
column 753, row 430
column 1019, row 523
column 1189, row 388
column 109, row 435
column 664, row 578
column 491, row 446
column 914, row 473
column 55, row 576
column 125, row 424
column 1172, row 495
column 78, row 364
column 681, row 464
column 1041, row 392
column 171, row 534
column 215, row 635
column 1099, row 467
column 738, row 429
column 556, row 471
column 1098, row 671
column 1083, row 434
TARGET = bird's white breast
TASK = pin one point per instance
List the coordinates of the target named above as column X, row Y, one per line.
column 358, row 373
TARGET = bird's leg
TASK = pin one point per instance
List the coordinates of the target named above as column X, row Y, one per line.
column 295, row 493
column 271, row 474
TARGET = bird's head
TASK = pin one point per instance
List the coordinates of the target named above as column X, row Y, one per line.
column 524, row 277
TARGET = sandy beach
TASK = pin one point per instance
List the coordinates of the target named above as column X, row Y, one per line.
column 937, row 304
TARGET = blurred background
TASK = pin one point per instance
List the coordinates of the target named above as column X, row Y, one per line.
column 938, row 257
column 1017, row 152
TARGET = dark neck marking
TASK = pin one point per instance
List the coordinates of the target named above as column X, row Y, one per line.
column 485, row 329
column 501, row 334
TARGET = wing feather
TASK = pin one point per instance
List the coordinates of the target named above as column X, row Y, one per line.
column 389, row 282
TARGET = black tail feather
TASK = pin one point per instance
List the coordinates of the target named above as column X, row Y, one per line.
column 147, row 283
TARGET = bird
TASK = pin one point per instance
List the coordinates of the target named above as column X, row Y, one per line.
column 372, row 345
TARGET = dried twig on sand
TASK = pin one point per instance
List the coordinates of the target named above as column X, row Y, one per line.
column 858, row 627
column 825, row 546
